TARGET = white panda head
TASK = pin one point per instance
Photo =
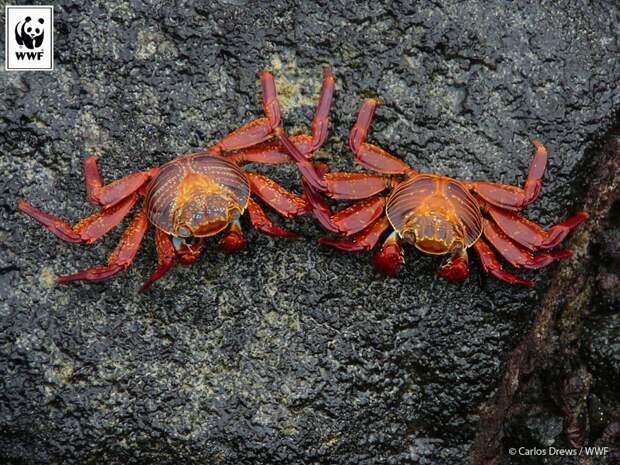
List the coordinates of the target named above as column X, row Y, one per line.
column 34, row 29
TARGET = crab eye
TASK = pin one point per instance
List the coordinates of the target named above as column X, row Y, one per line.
column 183, row 231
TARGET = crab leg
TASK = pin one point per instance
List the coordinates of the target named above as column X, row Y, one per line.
column 320, row 209
column 457, row 266
column 529, row 234
column 278, row 198
column 122, row 256
column 233, row 240
column 389, row 259
column 358, row 216
column 511, row 197
column 371, row 156
column 166, row 256
column 108, row 195
column 261, row 223
column 515, row 254
column 273, row 153
column 354, row 186
column 258, row 130
column 491, row 265
column 305, row 167
column 364, row 242
column 320, row 121
column 88, row 230
column 558, row 232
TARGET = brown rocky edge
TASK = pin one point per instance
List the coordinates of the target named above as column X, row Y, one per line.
column 555, row 391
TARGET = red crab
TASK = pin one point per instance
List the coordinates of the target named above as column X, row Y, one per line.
column 437, row 214
column 198, row 195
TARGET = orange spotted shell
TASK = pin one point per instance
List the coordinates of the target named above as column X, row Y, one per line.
column 438, row 208
column 194, row 195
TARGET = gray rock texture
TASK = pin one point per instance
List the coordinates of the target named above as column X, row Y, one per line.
column 286, row 352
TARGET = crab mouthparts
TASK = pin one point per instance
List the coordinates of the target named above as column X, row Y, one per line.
column 433, row 235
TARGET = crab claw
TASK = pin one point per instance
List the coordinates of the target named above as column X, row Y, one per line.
column 233, row 242
column 456, row 268
column 305, row 167
column 390, row 257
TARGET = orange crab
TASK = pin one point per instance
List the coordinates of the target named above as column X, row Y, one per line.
column 436, row 214
column 198, row 195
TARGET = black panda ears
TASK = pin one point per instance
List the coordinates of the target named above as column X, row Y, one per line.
column 41, row 20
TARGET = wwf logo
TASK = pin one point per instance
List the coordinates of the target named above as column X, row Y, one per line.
column 29, row 37
column 30, row 33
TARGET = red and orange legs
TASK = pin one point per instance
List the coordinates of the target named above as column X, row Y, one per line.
column 354, row 186
column 491, row 265
column 278, row 198
column 358, row 216
column 517, row 255
column 303, row 165
column 166, row 255
column 320, row 209
column 368, row 155
column 261, row 223
column 456, row 267
column 258, row 130
column 233, row 241
column 511, row 197
column 389, row 259
column 274, row 153
column 108, row 195
column 320, row 122
column 363, row 242
column 122, row 256
column 529, row 234
column 88, row 230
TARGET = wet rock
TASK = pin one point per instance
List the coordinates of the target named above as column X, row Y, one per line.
column 285, row 352
column 603, row 349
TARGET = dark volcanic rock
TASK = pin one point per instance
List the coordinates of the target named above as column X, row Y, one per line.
column 284, row 353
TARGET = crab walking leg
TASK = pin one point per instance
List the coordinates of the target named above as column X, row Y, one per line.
column 320, row 209
column 261, row 223
column 278, row 198
column 529, row 234
column 166, row 256
column 371, row 156
column 258, row 130
column 457, row 266
column 511, row 197
column 122, row 256
column 320, row 122
column 558, row 232
column 354, row 186
column 491, row 265
column 88, row 230
column 273, row 153
column 389, row 259
column 108, row 195
column 233, row 241
column 517, row 255
column 358, row 216
column 365, row 241
column 305, row 167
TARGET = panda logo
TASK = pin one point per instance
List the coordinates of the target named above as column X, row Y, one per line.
column 30, row 33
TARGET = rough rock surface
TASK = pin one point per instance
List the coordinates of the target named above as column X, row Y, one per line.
column 286, row 352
